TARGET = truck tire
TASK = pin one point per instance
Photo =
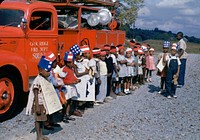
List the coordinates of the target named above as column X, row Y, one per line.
column 10, row 90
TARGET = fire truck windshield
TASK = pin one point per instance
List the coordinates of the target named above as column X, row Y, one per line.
column 11, row 17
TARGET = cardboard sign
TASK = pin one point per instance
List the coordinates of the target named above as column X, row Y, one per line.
column 161, row 65
column 50, row 97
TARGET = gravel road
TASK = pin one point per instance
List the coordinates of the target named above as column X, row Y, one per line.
column 143, row 115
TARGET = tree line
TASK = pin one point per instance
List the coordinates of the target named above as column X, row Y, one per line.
column 156, row 34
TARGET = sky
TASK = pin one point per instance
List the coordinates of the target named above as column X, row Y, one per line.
column 170, row 15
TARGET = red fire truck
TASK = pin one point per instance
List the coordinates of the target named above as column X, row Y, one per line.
column 30, row 28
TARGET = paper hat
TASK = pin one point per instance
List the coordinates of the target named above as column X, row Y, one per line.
column 50, row 56
column 140, row 51
column 114, row 50
column 85, row 48
column 144, row 46
column 132, row 42
column 166, row 44
column 75, row 49
column 174, row 46
column 69, row 56
column 128, row 50
column 96, row 51
column 121, row 47
column 45, row 64
column 106, row 47
column 152, row 49
column 103, row 53
column 137, row 45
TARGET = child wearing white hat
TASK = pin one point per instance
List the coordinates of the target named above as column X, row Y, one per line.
column 130, row 63
column 173, row 68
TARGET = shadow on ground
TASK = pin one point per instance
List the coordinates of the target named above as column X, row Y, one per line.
column 56, row 118
column 153, row 88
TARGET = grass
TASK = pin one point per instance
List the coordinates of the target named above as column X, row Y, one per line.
column 192, row 48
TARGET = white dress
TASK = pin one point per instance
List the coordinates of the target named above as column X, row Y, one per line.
column 82, row 86
column 123, row 69
column 129, row 68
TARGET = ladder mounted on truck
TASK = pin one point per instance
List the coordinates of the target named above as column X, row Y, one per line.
column 85, row 2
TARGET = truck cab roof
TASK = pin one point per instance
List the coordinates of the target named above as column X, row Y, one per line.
column 26, row 5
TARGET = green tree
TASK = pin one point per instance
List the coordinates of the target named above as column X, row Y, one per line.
column 127, row 11
column 138, row 38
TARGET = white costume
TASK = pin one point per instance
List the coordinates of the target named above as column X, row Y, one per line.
column 82, row 86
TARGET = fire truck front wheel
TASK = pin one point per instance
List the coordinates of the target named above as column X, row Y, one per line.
column 9, row 95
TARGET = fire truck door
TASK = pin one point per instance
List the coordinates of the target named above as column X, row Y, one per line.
column 41, row 37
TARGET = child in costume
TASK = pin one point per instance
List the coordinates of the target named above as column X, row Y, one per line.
column 82, row 72
column 90, row 85
column 37, row 101
column 95, row 67
column 130, row 63
column 69, row 80
column 79, row 87
column 162, row 72
column 49, row 124
column 103, row 77
column 140, row 70
column 150, row 64
column 173, row 69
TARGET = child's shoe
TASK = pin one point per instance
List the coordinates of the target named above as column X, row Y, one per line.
column 65, row 119
column 96, row 103
column 70, row 118
column 169, row 97
column 109, row 97
column 159, row 92
column 127, row 91
column 174, row 96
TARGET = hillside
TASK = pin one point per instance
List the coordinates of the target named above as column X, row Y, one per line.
column 156, row 34
column 157, row 44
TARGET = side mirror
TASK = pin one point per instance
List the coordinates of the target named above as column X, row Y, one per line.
column 24, row 24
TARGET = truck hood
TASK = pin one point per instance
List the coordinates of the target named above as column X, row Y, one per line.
column 8, row 31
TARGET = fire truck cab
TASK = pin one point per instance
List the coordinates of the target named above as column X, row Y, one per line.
column 29, row 29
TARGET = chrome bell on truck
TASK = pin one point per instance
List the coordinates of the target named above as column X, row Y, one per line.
column 103, row 17
column 93, row 19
